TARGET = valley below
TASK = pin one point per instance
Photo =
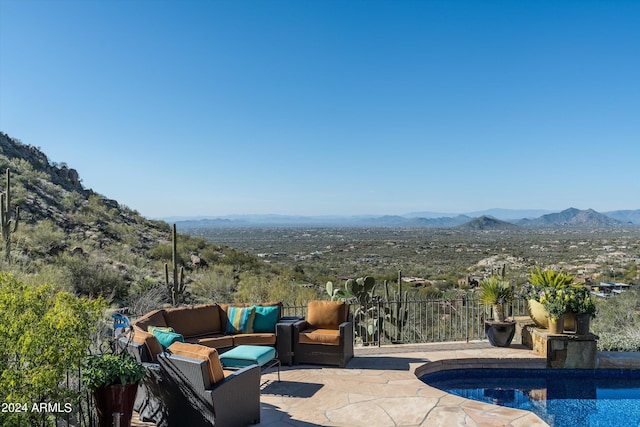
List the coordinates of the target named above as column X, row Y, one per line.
column 443, row 258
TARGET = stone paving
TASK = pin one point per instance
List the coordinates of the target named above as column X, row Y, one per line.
column 380, row 387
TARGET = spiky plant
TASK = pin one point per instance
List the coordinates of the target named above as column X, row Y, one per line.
column 496, row 292
column 550, row 278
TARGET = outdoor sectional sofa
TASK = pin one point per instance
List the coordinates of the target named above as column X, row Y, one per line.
column 185, row 385
column 207, row 325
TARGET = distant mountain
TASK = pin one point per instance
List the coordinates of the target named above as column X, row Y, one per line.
column 569, row 218
column 487, row 223
column 319, row 221
column 498, row 213
column 572, row 218
column 628, row 216
column 509, row 214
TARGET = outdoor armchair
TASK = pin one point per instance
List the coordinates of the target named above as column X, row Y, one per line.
column 326, row 335
column 188, row 387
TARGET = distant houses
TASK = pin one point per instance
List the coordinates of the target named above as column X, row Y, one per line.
column 608, row 289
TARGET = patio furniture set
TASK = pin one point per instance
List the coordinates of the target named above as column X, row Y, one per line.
column 204, row 362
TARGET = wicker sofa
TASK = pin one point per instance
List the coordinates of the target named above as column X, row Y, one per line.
column 206, row 325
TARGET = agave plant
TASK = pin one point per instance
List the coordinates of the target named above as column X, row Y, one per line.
column 496, row 292
column 550, row 278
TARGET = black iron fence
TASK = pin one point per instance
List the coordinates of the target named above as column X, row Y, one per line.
column 419, row 321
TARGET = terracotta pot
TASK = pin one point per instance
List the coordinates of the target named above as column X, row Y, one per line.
column 112, row 399
column 556, row 325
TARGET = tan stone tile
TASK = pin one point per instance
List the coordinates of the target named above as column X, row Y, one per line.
column 408, row 410
column 365, row 414
column 447, row 417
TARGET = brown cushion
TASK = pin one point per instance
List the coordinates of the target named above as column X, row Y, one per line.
column 326, row 314
column 149, row 340
column 195, row 320
column 254, row 339
column 216, row 341
column 320, row 336
column 153, row 318
column 200, row 352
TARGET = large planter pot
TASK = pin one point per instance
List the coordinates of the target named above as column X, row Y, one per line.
column 556, row 325
column 583, row 323
column 115, row 399
column 540, row 316
column 500, row 334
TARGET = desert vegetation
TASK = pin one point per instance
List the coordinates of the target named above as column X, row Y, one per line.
column 90, row 246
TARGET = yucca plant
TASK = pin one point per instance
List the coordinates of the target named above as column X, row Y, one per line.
column 496, row 292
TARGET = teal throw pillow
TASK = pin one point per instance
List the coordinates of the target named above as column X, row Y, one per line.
column 240, row 320
column 167, row 338
column 266, row 318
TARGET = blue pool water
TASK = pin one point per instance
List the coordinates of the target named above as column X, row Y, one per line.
column 562, row 398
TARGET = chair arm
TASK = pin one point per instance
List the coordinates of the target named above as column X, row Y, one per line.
column 236, row 400
column 137, row 350
column 300, row 325
column 346, row 338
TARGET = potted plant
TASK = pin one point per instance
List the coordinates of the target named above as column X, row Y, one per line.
column 584, row 306
column 556, row 302
column 539, row 280
column 113, row 379
column 496, row 293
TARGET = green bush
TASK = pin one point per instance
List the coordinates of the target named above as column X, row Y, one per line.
column 618, row 321
column 44, row 335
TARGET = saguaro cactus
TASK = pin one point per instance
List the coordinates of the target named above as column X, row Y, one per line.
column 176, row 286
column 8, row 225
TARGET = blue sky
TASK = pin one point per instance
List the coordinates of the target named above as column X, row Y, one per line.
column 330, row 107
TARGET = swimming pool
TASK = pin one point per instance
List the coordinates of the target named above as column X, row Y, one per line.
column 562, row 398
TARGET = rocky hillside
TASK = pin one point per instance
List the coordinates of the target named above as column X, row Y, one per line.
column 59, row 217
column 91, row 245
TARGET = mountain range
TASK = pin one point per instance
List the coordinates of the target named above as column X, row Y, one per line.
column 493, row 219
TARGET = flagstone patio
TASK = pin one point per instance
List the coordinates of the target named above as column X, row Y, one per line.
column 380, row 387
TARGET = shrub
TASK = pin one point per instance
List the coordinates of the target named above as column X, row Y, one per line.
column 44, row 333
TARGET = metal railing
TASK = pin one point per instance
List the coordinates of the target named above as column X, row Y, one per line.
column 420, row 320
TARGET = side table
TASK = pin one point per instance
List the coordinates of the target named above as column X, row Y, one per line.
column 284, row 338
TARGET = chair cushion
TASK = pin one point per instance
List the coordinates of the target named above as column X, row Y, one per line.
column 320, row 336
column 266, row 318
column 194, row 321
column 240, row 320
column 254, row 339
column 327, row 314
column 217, row 341
column 166, row 338
column 246, row 355
column 149, row 340
column 153, row 318
column 200, row 352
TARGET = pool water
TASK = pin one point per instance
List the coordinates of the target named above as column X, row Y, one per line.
column 562, row 398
